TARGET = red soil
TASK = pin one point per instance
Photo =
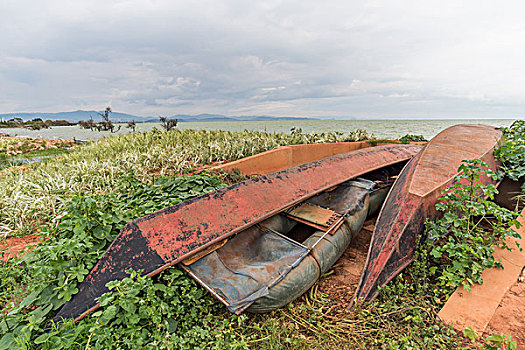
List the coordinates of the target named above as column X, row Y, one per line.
column 25, row 145
column 509, row 317
column 13, row 245
column 341, row 285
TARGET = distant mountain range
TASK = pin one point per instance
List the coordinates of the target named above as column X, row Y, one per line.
column 79, row 115
column 219, row 117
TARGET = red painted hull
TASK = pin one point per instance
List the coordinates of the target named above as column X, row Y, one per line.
column 413, row 198
column 163, row 239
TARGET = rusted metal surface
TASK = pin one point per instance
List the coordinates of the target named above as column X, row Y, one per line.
column 413, row 197
column 313, row 215
column 162, row 239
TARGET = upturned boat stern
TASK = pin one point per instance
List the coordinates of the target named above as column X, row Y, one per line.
column 413, row 197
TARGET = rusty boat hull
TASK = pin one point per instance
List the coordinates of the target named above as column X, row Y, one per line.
column 165, row 238
column 413, row 197
column 274, row 262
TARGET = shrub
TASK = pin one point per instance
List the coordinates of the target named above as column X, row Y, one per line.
column 472, row 225
column 53, row 269
column 410, row 138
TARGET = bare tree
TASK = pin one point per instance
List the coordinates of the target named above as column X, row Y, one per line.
column 106, row 124
column 168, row 124
column 88, row 124
column 131, row 125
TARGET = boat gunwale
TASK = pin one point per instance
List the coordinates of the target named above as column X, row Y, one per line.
column 274, row 212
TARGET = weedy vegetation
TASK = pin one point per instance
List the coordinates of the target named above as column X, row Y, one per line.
column 410, row 138
column 50, row 273
column 472, row 225
column 128, row 176
column 512, row 151
column 37, row 193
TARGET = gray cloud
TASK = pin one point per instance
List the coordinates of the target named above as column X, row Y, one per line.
column 332, row 58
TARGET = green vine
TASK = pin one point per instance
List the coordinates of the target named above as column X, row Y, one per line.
column 50, row 273
column 512, row 151
column 472, row 225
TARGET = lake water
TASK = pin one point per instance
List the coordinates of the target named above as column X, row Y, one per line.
column 384, row 129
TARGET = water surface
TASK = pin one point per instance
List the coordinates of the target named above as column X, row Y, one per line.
column 384, row 129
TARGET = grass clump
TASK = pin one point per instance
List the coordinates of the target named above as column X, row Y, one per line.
column 30, row 157
column 412, row 138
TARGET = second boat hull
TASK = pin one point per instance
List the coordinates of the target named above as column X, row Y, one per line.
column 413, row 197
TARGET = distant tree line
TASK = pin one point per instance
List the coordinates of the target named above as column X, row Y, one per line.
column 34, row 124
column 105, row 125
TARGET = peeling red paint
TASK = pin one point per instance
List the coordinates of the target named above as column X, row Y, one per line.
column 231, row 211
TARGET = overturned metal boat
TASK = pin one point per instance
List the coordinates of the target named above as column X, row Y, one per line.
column 197, row 229
column 274, row 262
column 413, row 198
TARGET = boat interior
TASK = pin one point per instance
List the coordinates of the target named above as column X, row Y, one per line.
column 322, row 211
column 244, row 268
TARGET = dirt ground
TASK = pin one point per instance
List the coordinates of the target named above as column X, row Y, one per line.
column 25, row 145
column 509, row 317
column 15, row 244
column 341, row 285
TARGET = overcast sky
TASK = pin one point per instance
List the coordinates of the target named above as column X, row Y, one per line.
column 364, row 59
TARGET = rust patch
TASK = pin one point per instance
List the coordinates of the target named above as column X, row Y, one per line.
column 233, row 209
